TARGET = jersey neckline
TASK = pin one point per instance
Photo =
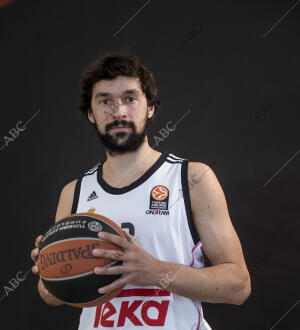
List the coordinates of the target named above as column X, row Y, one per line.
column 117, row 191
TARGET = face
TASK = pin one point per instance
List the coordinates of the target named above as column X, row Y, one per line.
column 120, row 114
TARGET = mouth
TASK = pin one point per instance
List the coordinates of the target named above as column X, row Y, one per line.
column 120, row 129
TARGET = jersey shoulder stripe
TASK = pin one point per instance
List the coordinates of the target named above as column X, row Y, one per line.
column 171, row 161
column 92, row 170
column 172, row 156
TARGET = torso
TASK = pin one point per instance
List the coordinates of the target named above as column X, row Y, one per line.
column 156, row 209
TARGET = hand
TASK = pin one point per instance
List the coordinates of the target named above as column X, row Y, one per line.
column 45, row 294
column 48, row 297
column 138, row 268
column 35, row 254
column 42, row 288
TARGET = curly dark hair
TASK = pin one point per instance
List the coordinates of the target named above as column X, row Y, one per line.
column 108, row 67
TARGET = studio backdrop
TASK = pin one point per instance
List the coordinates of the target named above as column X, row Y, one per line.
column 227, row 73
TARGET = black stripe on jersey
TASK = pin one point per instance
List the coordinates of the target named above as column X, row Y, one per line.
column 76, row 195
column 187, row 201
column 117, row 191
column 173, row 162
column 206, row 260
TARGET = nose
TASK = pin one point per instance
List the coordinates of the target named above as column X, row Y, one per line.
column 118, row 109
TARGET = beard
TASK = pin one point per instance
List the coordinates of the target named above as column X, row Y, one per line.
column 118, row 144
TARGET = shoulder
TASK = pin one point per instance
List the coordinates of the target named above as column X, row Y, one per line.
column 67, row 193
column 203, row 184
column 196, row 172
column 206, row 193
column 69, row 188
column 65, row 202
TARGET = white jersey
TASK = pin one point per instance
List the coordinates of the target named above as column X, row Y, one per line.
column 156, row 210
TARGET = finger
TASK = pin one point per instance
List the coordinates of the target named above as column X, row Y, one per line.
column 113, row 270
column 114, row 285
column 120, row 241
column 34, row 254
column 44, row 288
column 109, row 254
column 129, row 237
column 35, row 269
column 38, row 241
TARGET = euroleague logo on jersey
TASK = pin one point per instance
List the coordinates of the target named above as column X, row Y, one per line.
column 159, row 200
column 160, row 193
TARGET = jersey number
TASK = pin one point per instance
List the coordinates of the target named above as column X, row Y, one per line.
column 129, row 226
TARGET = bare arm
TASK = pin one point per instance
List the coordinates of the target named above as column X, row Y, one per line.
column 227, row 280
column 64, row 209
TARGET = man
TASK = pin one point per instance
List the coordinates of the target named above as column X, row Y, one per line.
column 174, row 210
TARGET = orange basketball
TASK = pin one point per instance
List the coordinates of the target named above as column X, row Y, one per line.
column 66, row 261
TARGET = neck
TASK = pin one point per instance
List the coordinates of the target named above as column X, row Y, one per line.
column 121, row 170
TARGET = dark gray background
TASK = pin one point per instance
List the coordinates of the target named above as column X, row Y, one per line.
column 217, row 64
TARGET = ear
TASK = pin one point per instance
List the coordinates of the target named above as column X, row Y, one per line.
column 91, row 116
column 151, row 111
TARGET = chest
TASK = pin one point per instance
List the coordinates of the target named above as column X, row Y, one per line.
column 153, row 213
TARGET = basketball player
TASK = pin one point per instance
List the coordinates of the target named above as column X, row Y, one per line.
column 173, row 211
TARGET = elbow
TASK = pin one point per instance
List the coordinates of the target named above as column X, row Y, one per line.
column 244, row 291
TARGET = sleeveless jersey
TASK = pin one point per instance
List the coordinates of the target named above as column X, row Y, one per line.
column 156, row 210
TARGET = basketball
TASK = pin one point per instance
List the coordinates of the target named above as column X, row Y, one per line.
column 67, row 263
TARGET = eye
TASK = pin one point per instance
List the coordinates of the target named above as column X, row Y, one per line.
column 104, row 101
column 131, row 98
